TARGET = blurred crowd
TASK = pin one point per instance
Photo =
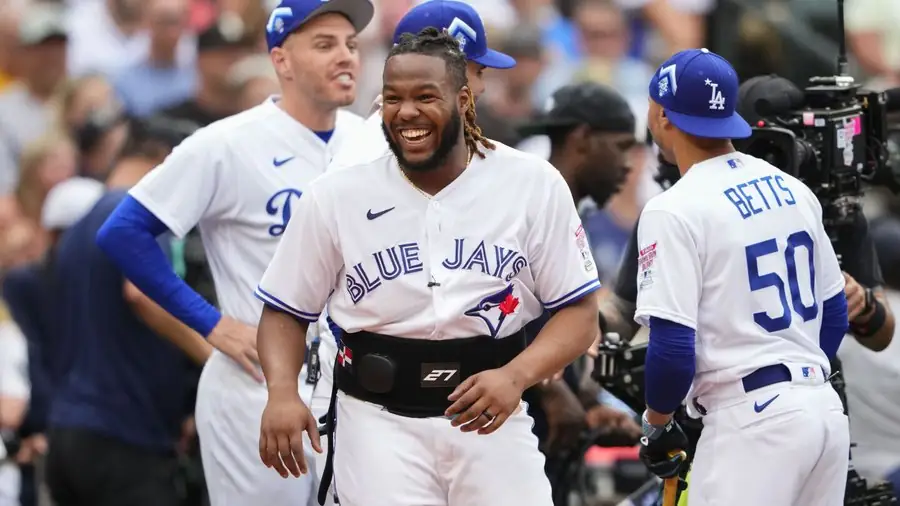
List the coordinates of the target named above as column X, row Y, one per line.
column 81, row 80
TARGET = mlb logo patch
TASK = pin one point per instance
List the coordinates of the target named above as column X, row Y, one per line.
column 735, row 163
column 808, row 372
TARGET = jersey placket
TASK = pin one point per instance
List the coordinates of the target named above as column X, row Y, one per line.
column 434, row 238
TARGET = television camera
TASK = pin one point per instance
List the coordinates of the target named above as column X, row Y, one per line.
column 833, row 136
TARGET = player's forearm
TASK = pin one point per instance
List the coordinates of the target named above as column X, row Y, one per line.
column 128, row 238
column 165, row 325
column 881, row 332
column 281, row 342
column 670, row 366
column 565, row 337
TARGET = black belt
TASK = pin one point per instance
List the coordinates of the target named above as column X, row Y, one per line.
column 772, row 374
column 409, row 377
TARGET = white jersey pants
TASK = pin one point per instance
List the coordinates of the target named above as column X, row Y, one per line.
column 228, row 414
column 383, row 459
column 792, row 452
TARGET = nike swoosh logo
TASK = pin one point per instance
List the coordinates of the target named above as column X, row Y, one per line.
column 372, row 215
column 760, row 407
column 278, row 163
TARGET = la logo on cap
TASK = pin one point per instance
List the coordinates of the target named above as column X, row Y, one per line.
column 716, row 100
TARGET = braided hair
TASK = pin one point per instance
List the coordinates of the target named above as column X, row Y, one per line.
column 432, row 42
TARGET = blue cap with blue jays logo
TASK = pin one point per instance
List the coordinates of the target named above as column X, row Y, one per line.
column 699, row 92
column 290, row 15
column 462, row 22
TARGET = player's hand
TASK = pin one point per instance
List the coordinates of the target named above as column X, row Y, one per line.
column 484, row 401
column 656, row 453
column 613, row 419
column 284, row 421
column 238, row 341
column 856, row 297
column 565, row 417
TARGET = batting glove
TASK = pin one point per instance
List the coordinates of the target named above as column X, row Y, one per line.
column 663, row 448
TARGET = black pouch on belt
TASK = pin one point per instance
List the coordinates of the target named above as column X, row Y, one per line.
column 409, row 377
column 413, row 377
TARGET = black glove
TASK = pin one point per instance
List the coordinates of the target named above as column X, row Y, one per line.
column 658, row 445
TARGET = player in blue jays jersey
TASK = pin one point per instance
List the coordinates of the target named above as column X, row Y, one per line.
column 432, row 258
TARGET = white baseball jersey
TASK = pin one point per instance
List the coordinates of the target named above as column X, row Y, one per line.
column 369, row 145
column 737, row 251
column 240, row 180
column 483, row 256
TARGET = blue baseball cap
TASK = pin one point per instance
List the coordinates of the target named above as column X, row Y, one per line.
column 290, row 15
column 462, row 22
column 699, row 92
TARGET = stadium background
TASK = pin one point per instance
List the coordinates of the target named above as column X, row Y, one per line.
column 71, row 69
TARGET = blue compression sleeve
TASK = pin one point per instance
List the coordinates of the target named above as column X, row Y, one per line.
column 129, row 238
column 835, row 322
column 670, row 364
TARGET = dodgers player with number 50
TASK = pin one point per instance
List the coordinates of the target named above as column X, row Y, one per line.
column 743, row 295
column 239, row 180
column 432, row 258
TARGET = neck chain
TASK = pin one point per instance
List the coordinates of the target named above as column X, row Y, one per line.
column 469, row 155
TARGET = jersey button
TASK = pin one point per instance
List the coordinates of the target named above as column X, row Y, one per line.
column 435, row 204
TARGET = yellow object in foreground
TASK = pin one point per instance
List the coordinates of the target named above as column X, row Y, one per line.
column 682, row 501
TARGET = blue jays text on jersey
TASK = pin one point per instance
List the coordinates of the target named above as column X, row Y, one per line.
column 388, row 264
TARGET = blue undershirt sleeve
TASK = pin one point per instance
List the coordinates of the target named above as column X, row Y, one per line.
column 835, row 322
column 129, row 239
column 670, row 364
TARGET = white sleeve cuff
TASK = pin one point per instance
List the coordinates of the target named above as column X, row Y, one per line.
column 277, row 303
column 574, row 295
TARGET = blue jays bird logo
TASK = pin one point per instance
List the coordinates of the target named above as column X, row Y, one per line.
column 494, row 309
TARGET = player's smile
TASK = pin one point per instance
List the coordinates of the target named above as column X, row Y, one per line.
column 344, row 79
column 414, row 139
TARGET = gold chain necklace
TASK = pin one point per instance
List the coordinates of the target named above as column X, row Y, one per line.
column 469, row 154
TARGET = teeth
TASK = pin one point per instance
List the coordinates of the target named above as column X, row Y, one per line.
column 414, row 134
column 344, row 78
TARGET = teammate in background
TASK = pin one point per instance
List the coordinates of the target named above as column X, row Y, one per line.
column 464, row 24
column 592, row 131
column 735, row 257
column 239, row 179
column 432, row 285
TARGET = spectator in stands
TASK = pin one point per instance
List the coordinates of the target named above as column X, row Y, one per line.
column 604, row 37
column 253, row 79
column 26, row 106
column 93, row 115
column 512, row 99
column 45, row 163
column 874, row 39
column 109, row 36
column 159, row 81
column 116, row 414
column 217, row 50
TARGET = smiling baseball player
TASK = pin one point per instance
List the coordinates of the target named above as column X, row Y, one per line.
column 743, row 295
column 431, row 258
column 463, row 23
column 240, row 181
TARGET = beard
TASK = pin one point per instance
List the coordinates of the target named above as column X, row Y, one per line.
column 447, row 142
